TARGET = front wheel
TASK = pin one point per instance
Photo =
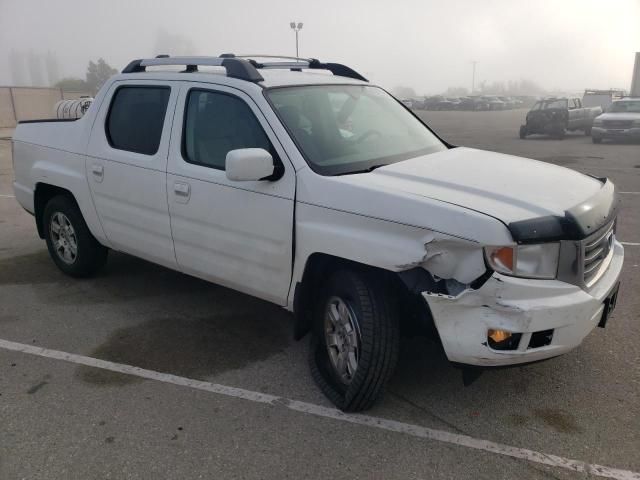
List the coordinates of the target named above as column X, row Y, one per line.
column 355, row 340
column 523, row 131
column 596, row 139
column 587, row 131
column 71, row 245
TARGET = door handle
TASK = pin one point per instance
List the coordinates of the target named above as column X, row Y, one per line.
column 98, row 172
column 182, row 192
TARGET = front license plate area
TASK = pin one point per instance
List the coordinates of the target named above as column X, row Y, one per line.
column 609, row 305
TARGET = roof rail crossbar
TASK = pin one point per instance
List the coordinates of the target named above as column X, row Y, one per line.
column 299, row 62
column 236, row 67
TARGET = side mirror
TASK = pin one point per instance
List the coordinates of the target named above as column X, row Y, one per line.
column 249, row 164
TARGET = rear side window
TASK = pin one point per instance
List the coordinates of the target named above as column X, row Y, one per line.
column 214, row 124
column 136, row 118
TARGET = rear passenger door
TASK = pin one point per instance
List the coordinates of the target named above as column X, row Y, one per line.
column 126, row 168
column 238, row 234
column 576, row 114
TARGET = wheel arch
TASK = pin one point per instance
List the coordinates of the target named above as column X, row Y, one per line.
column 413, row 310
column 45, row 191
column 42, row 194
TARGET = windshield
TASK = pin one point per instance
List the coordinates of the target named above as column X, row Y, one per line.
column 544, row 104
column 632, row 106
column 344, row 129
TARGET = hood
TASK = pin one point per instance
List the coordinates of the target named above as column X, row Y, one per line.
column 619, row 116
column 509, row 188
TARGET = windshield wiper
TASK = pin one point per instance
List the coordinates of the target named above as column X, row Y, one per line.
column 365, row 170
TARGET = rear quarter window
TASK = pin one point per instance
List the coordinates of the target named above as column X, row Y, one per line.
column 136, row 118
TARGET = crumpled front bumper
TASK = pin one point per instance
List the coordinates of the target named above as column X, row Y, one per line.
column 521, row 306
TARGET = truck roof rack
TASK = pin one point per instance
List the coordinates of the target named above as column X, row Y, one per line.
column 243, row 67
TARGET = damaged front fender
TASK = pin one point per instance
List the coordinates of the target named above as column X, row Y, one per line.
column 448, row 267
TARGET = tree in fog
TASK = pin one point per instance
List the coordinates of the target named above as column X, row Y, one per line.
column 51, row 65
column 512, row 87
column 36, row 69
column 71, row 84
column 18, row 69
column 456, row 92
column 404, row 92
column 98, row 73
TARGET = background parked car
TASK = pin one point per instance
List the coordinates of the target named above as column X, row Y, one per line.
column 444, row 103
column 554, row 116
column 494, row 102
column 509, row 103
column 621, row 120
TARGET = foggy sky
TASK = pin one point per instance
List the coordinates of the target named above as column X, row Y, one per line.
column 424, row 44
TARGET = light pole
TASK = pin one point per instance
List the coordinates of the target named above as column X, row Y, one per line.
column 296, row 28
column 473, row 77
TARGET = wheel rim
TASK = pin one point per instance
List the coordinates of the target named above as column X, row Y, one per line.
column 342, row 336
column 63, row 237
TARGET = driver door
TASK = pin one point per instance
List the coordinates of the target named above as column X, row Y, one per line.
column 234, row 233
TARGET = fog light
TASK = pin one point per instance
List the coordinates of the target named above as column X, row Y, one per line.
column 502, row 339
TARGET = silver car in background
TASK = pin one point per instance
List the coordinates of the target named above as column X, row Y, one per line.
column 620, row 121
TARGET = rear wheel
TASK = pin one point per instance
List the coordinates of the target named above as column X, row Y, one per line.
column 355, row 341
column 71, row 245
column 587, row 131
column 596, row 139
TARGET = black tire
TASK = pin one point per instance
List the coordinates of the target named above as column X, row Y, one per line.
column 523, row 131
column 596, row 139
column 374, row 309
column 90, row 255
column 587, row 131
column 559, row 134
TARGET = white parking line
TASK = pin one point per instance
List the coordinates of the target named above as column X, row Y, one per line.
column 630, row 244
column 7, row 196
column 630, row 193
column 332, row 413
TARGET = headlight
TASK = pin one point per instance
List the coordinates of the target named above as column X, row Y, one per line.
column 528, row 261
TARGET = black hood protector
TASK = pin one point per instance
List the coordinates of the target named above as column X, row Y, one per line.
column 577, row 223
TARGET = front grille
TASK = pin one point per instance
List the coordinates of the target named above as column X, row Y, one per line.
column 617, row 123
column 597, row 250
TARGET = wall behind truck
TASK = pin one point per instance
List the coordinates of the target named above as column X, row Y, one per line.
column 30, row 103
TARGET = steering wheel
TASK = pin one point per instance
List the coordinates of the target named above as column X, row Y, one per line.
column 365, row 135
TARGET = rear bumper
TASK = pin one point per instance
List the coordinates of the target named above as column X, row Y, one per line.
column 521, row 306
column 599, row 132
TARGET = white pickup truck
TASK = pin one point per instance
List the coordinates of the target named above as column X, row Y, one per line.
column 325, row 195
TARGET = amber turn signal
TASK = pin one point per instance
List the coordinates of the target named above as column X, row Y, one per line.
column 498, row 335
column 503, row 257
column 502, row 339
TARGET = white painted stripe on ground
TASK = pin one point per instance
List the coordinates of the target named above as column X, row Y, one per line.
column 631, row 244
column 630, row 193
column 332, row 413
column 7, row 196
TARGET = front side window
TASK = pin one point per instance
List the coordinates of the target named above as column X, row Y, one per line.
column 216, row 123
column 343, row 129
column 560, row 103
column 136, row 118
